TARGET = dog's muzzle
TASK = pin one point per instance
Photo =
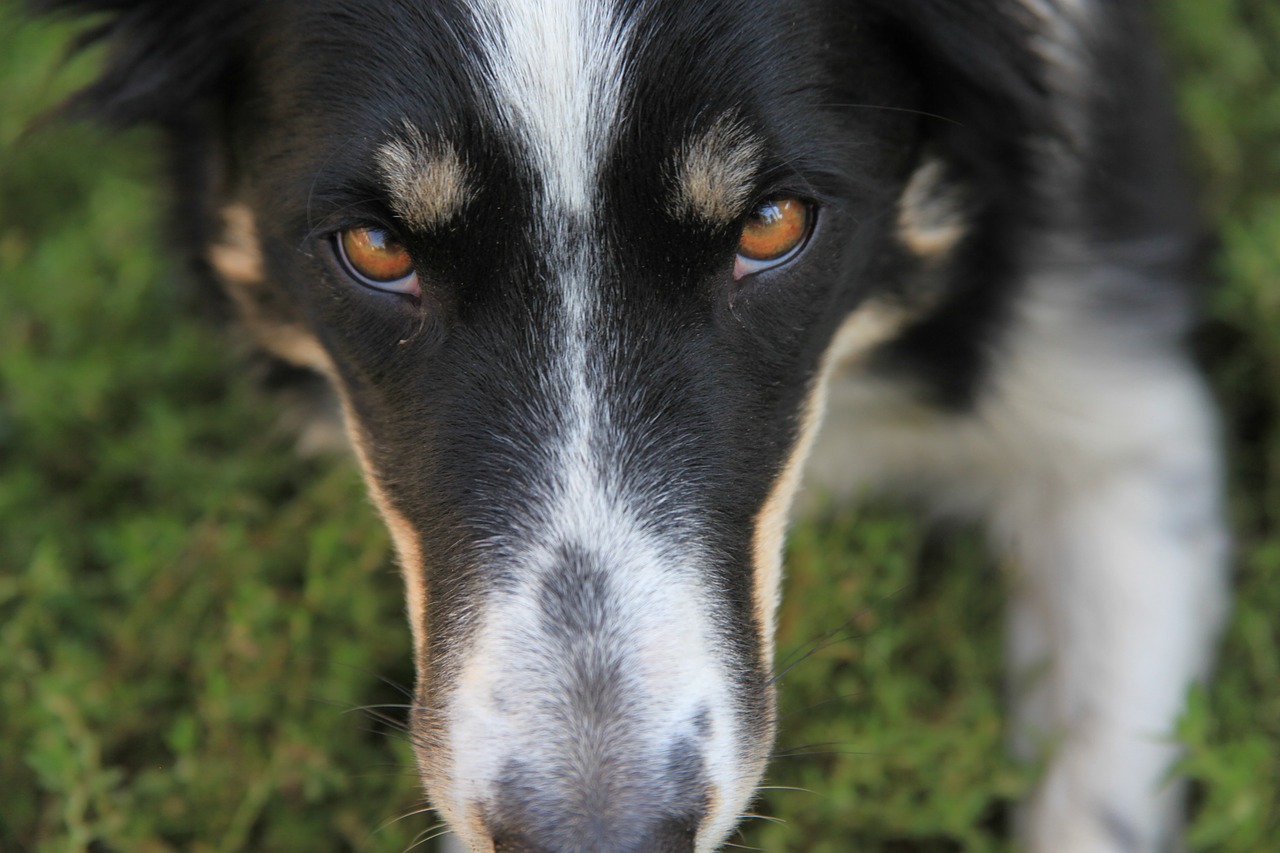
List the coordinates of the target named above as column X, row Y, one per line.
column 595, row 709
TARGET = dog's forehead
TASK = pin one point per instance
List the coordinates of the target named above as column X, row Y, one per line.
column 542, row 101
column 552, row 77
column 554, row 70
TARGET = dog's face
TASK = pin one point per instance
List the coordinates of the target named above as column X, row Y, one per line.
column 574, row 271
column 577, row 270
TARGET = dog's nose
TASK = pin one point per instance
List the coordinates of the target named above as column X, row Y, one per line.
column 663, row 836
column 603, row 801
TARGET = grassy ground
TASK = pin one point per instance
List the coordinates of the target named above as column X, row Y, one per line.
column 189, row 612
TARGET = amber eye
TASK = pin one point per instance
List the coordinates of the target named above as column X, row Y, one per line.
column 376, row 259
column 774, row 233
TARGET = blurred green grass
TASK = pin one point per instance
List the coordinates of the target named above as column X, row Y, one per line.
column 190, row 612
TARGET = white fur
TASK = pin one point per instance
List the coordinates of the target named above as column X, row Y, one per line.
column 663, row 617
column 555, row 68
column 664, row 609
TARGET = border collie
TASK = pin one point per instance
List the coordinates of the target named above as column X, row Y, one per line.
column 585, row 276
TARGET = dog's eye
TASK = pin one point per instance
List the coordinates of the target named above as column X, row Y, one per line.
column 376, row 259
column 773, row 235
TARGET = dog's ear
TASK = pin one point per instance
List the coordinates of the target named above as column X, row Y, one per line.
column 984, row 71
column 1021, row 82
column 165, row 58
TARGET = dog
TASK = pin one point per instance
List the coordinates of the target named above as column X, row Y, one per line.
column 586, row 275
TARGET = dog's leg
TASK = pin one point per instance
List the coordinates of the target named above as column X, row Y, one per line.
column 1093, row 455
column 1108, row 505
column 1115, row 602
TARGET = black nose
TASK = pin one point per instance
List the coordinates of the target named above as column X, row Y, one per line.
column 663, row 836
column 608, row 803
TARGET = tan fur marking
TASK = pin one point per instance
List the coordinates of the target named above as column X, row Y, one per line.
column 714, row 172
column 405, row 539
column 427, row 179
column 237, row 256
column 931, row 213
column 237, row 259
column 873, row 324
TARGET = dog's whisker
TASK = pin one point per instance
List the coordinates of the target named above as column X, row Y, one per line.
column 764, row 817
column 824, row 753
column 832, row 638
column 407, row 692
column 427, row 836
column 908, row 110
column 424, row 808
column 798, row 713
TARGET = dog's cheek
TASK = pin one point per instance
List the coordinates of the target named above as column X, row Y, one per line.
column 273, row 320
column 236, row 257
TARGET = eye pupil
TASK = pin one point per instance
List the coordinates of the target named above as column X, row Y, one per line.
column 374, row 257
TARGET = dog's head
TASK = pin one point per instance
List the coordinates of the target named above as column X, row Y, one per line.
column 577, row 270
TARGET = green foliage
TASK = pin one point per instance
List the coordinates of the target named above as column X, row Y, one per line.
column 1229, row 53
column 189, row 610
column 893, row 719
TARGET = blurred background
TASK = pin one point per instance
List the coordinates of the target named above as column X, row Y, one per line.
column 201, row 632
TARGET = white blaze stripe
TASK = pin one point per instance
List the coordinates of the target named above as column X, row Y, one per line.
column 662, row 610
column 556, row 69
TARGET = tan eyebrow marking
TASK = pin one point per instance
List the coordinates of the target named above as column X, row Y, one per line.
column 426, row 177
column 714, row 171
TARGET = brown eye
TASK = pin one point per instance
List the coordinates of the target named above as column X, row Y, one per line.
column 376, row 259
column 776, row 230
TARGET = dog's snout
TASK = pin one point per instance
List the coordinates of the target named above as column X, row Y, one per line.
column 596, row 710
column 671, row 835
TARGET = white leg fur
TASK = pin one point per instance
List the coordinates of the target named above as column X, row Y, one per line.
column 1094, row 459
column 1117, row 580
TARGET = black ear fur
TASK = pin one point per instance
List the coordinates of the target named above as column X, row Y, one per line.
column 165, row 59
column 979, row 67
column 998, row 69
